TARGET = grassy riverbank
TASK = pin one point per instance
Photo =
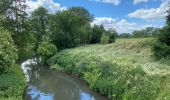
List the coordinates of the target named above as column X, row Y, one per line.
column 124, row 70
column 12, row 84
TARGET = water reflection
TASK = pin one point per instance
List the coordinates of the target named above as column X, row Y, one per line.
column 46, row 84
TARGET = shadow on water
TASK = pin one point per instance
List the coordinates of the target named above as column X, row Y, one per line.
column 47, row 84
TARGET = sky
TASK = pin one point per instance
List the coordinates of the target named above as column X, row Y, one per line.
column 124, row 16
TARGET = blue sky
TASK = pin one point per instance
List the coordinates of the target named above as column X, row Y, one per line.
column 122, row 15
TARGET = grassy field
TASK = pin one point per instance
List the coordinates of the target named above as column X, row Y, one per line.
column 124, row 70
column 12, row 84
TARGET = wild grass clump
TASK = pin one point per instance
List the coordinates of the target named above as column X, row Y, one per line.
column 121, row 70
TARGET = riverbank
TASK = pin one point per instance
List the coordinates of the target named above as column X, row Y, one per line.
column 124, row 70
column 12, row 84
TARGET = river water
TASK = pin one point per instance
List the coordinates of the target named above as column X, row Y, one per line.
column 47, row 84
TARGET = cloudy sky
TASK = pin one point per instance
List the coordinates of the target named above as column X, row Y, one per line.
column 122, row 15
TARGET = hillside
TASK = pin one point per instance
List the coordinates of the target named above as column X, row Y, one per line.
column 122, row 70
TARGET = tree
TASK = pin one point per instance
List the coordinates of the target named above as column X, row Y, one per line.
column 8, row 51
column 108, row 36
column 112, row 35
column 97, row 32
column 68, row 27
column 125, row 35
column 162, row 48
column 46, row 50
column 85, row 34
column 39, row 25
column 147, row 32
column 14, row 19
column 84, row 15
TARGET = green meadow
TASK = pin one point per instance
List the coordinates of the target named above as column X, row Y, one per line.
column 124, row 70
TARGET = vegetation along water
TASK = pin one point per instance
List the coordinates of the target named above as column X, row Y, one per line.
column 79, row 56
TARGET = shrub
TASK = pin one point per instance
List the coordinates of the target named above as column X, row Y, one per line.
column 8, row 52
column 12, row 84
column 46, row 50
column 104, row 39
column 97, row 32
column 162, row 48
column 112, row 38
column 107, row 37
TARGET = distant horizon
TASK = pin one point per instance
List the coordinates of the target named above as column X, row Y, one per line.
column 124, row 16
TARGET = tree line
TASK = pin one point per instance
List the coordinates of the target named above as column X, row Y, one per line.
column 42, row 33
column 143, row 33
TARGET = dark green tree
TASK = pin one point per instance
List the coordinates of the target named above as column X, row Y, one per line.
column 68, row 27
column 39, row 25
column 125, row 35
column 14, row 19
column 162, row 48
column 8, row 51
column 97, row 32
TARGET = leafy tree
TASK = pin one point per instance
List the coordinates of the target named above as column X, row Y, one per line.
column 97, row 32
column 85, row 34
column 66, row 27
column 84, row 15
column 46, row 50
column 162, row 48
column 125, row 35
column 112, row 35
column 8, row 51
column 148, row 32
column 14, row 19
column 108, row 36
column 39, row 24
column 104, row 39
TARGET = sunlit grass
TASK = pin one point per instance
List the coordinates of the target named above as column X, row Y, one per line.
column 131, row 57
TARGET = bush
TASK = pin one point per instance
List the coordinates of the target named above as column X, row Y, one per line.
column 111, row 38
column 12, row 84
column 162, row 48
column 46, row 50
column 97, row 32
column 107, row 37
column 104, row 39
column 8, row 52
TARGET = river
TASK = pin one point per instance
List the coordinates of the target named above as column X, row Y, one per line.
column 47, row 84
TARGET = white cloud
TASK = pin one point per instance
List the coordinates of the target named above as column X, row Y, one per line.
column 152, row 13
column 114, row 2
column 50, row 5
column 139, row 1
column 121, row 26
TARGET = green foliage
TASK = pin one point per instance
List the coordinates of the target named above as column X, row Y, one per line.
column 148, row 32
column 85, row 34
column 39, row 24
column 122, row 70
column 161, row 48
column 104, row 39
column 46, row 50
column 12, row 84
column 69, row 27
column 83, row 14
column 125, row 35
column 8, row 52
column 97, row 32
column 15, row 20
column 108, row 37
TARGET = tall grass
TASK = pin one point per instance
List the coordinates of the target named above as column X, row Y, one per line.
column 124, row 70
